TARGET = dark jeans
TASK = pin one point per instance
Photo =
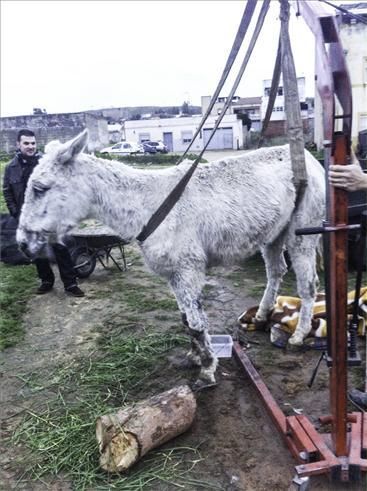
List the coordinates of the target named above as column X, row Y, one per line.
column 64, row 263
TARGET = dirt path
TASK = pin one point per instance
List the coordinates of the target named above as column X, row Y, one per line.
column 241, row 449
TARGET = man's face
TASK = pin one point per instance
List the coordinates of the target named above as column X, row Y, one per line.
column 27, row 145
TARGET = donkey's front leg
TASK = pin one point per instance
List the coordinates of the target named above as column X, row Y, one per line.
column 187, row 289
column 193, row 356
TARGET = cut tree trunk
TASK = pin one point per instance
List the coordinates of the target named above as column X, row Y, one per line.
column 125, row 436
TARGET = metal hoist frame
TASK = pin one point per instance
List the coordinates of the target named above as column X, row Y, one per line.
column 341, row 453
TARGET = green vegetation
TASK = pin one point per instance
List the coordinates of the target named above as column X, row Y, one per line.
column 3, row 162
column 61, row 436
column 16, row 285
column 312, row 148
column 5, row 157
column 141, row 299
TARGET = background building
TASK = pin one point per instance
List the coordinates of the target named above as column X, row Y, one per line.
column 277, row 123
column 353, row 36
column 177, row 133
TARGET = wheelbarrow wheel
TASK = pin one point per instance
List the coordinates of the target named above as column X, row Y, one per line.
column 84, row 261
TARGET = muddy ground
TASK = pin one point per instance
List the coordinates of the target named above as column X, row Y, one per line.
column 240, row 447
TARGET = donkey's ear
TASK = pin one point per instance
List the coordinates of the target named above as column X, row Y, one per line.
column 73, row 148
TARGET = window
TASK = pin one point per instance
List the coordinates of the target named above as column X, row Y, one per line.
column 277, row 109
column 267, row 91
column 186, row 136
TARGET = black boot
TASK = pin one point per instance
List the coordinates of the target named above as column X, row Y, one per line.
column 44, row 287
column 74, row 291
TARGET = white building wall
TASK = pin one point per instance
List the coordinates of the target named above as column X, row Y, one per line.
column 353, row 38
column 181, row 128
column 278, row 113
column 218, row 106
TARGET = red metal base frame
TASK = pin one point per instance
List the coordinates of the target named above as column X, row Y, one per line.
column 310, row 448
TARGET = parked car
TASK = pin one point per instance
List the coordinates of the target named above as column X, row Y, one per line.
column 123, row 148
column 148, row 148
column 159, row 145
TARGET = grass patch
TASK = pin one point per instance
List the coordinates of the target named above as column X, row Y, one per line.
column 17, row 283
column 3, row 163
column 146, row 298
column 61, row 437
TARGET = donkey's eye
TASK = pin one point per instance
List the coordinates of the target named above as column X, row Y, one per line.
column 39, row 189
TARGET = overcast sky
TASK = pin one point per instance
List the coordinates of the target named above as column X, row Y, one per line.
column 69, row 56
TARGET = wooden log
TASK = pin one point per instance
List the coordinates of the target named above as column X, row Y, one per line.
column 125, row 436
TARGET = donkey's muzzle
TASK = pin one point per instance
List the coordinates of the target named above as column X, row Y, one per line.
column 23, row 246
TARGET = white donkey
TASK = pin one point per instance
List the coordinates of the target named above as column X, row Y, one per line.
column 230, row 209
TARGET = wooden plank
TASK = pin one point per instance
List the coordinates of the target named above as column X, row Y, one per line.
column 313, row 468
column 355, row 449
column 302, row 441
column 318, row 441
column 357, row 458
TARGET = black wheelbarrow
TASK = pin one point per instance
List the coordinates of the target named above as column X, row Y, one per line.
column 86, row 250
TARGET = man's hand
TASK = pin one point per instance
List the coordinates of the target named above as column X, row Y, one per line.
column 348, row 177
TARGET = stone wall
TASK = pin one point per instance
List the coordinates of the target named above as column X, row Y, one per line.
column 49, row 127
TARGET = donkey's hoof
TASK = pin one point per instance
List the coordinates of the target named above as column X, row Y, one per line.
column 295, row 346
column 295, row 341
column 200, row 384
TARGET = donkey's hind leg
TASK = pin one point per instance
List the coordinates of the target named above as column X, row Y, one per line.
column 303, row 259
column 187, row 289
column 276, row 267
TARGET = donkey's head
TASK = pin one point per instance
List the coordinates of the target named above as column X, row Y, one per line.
column 57, row 195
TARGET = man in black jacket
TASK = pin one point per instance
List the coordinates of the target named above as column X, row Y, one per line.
column 16, row 176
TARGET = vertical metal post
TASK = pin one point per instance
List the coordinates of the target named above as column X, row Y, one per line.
column 337, row 281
